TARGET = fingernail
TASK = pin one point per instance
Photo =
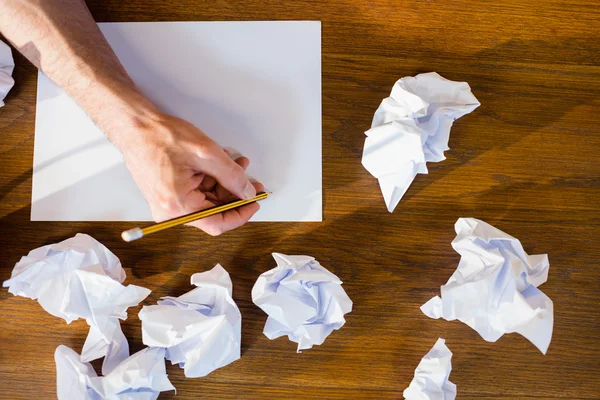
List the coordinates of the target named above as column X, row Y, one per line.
column 249, row 191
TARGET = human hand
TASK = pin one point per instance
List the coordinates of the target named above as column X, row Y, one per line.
column 179, row 170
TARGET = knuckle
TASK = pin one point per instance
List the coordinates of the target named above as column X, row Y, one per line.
column 206, row 148
column 203, row 150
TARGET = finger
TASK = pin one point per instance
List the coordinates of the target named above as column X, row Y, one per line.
column 227, row 173
column 220, row 223
column 194, row 201
column 259, row 187
column 195, row 181
column 208, row 184
column 242, row 162
column 212, row 198
column 169, row 198
column 224, row 194
column 226, row 199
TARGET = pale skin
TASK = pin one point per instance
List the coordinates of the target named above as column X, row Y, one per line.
column 176, row 166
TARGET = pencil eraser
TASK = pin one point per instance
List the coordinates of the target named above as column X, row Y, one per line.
column 132, row 234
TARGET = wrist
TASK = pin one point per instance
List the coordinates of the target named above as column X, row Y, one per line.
column 121, row 114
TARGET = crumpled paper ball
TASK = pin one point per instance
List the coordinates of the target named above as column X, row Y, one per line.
column 494, row 288
column 80, row 278
column 411, row 128
column 303, row 300
column 141, row 376
column 201, row 329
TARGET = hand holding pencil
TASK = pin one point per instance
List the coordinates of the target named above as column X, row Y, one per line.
column 180, row 170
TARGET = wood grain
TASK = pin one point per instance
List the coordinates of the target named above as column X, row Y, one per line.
column 525, row 161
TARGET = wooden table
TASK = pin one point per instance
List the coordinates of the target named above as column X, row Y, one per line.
column 525, row 161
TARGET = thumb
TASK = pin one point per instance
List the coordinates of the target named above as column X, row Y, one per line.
column 229, row 174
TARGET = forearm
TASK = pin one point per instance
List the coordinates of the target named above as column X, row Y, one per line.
column 176, row 166
column 61, row 38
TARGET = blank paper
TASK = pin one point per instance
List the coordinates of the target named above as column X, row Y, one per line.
column 254, row 87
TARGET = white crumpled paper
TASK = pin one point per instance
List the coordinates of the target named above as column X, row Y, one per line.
column 411, row 128
column 201, row 329
column 81, row 278
column 7, row 65
column 304, row 300
column 431, row 376
column 139, row 377
column 494, row 289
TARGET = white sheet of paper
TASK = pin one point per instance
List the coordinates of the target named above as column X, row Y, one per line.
column 411, row 128
column 7, row 64
column 252, row 86
column 139, row 377
column 81, row 278
column 494, row 288
column 431, row 376
column 303, row 300
column 201, row 329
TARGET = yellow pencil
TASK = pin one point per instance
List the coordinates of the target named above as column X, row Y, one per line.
column 137, row 233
